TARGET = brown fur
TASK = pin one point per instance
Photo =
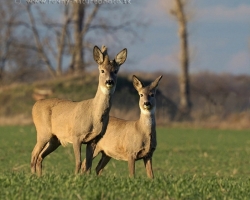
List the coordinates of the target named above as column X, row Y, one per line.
column 132, row 140
column 62, row 121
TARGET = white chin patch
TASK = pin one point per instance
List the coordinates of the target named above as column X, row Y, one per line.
column 147, row 107
column 106, row 90
column 147, row 112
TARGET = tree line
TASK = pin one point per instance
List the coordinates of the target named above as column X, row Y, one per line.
column 38, row 40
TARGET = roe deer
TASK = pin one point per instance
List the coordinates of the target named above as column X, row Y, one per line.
column 63, row 121
column 131, row 140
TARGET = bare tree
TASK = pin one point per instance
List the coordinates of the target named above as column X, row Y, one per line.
column 8, row 18
column 60, row 30
column 62, row 41
column 62, row 38
column 16, row 62
column 178, row 11
column 39, row 44
column 78, row 17
column 5, row 44
column 81, row 27
column 72, row 35
column 23, row 64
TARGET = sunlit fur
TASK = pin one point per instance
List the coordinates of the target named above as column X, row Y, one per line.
column 131, row 140
column 60, row 121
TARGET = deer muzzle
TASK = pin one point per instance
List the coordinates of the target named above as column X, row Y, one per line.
column 147, row 105
column 110, row 83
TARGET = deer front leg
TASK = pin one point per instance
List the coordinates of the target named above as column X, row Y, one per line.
column 77, row 152
column 131, row 167
column 148, row 166
column 89, row 157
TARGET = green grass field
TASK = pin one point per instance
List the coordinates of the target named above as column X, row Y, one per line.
column 188, row 164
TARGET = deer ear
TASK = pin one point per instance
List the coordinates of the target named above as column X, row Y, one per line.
column 154, row 84
column 121, row 57
column 137, row 83
column 98, row 55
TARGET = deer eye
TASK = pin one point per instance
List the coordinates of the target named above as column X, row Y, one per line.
column 141, row 95
column 102, row 71
column 115, row 71
column 152, row 95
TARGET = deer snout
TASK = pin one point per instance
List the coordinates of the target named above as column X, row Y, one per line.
column 110, row 83
column 147, row 105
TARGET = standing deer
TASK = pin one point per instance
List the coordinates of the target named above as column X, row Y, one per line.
column 62, row 121
column 132, row 140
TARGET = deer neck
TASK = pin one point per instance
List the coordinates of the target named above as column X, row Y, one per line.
column 147, row 121
column 102, row 102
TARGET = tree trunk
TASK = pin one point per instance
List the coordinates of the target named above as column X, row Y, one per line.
column 1, row 74
column 185, row 103
column 78, row 16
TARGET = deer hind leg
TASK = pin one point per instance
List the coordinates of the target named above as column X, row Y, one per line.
column 102, row 163
column 148, row 166
column 35, row 153
column 51, row 146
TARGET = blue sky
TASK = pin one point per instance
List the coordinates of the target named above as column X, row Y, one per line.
column 219, row 37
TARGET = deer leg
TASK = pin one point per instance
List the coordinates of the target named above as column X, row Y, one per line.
column 77, row 152
column 90, row 148
column 83, row 166
column 96, row 152
column 131, row 166
column 148, row 166
column 35, row 153
column 102, row 163
column 51, row 146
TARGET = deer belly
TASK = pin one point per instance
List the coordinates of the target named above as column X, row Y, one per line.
column 116, row 155
column 65, row 141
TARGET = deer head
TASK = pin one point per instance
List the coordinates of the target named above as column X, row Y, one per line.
column 108, row 69
column 147, row 102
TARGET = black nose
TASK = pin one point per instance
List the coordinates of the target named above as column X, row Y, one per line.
column 147, row 103
column 110, row 82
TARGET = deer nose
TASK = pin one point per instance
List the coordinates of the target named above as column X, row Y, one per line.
column 110, row 83
column 147, row 105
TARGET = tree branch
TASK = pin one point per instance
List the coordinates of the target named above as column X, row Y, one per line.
column 90, row 19
column 61, row 42
column 25, row 46
column 39, row 44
